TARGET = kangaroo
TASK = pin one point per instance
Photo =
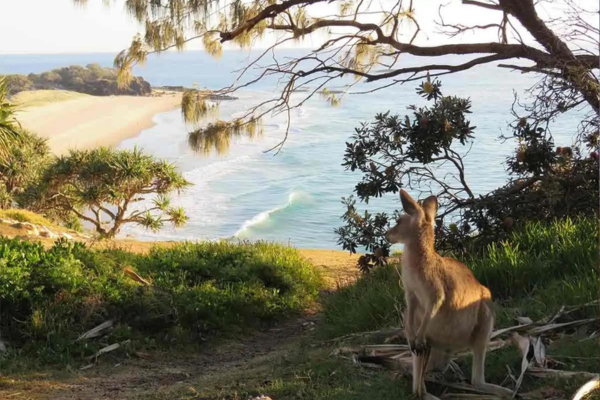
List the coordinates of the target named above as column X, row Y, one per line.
column 447, row 308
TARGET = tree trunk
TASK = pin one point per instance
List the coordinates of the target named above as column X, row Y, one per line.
column 572, row 70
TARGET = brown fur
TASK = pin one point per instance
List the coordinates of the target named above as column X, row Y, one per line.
column 447, row 308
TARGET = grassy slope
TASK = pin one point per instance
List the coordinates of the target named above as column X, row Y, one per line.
column 36, row 98
column 296, row 363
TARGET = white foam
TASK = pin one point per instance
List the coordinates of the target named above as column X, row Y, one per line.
column 293, row 198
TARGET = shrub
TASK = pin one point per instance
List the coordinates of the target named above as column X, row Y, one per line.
column 93, row 79
column 109, row 183
column 425, row 151
column 50, row 297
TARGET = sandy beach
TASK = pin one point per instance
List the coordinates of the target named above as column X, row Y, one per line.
column 75, row 121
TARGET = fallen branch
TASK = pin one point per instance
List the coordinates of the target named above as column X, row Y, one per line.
column 551, row 373
column 100, row 330
column 588, row 388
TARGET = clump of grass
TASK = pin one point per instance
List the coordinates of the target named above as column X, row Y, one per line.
column 25, row 216
column 375, row 301
column 539, row 256
column 50, row 297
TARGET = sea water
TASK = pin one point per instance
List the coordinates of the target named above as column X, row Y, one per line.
column 293, row 196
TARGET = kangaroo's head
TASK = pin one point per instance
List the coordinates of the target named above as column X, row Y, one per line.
column 416, row 223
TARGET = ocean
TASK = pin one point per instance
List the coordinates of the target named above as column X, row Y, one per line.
column 293, row 197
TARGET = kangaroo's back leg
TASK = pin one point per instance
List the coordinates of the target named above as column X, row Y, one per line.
column 479, row 344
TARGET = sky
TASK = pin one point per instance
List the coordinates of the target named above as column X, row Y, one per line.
column 60, row 26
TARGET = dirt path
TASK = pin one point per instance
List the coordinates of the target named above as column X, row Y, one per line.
column 160, row 374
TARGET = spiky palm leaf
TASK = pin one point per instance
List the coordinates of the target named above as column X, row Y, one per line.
column 10, row 129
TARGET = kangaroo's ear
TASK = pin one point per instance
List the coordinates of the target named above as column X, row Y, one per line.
column 430, row 207
column 410, row 206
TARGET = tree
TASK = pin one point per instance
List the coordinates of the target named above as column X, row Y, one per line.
column 50, row 77
column 10, row 129
column 101, row 186
column 22, row 167
column 425, row 152
column 367, row 40
column 17, row 83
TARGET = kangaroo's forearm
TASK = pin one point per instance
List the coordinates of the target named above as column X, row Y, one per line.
column 430, row 311
column 411, row 307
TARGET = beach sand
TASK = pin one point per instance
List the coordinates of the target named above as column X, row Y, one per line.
column 76, row 121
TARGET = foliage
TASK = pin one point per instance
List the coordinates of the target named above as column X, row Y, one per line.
column 536, row 270
column 375, row 301
column 23, row 165
column 17, row 83
column 425, row 152
column 369, row 42
column 10, row 129
column 50, row 297
column 92, row 79
column 109, row 183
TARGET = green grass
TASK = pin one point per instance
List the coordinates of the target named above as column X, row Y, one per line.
column 540, row 255
column 534, row 273
column 50, row 297
column 540, row 268
column 375, row 301
column 25, row 216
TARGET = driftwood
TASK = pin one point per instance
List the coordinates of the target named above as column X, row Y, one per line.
column 528, row 336
column 104, row 350
column 588, row 388
column 98, row 331
column 134, row 276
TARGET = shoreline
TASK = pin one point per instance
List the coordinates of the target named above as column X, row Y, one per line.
column 78, row 121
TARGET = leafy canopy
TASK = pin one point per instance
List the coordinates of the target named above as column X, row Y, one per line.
column 369, row 41
column 425, row 152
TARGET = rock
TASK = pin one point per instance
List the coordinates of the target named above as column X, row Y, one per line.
column 32, row 230
column 47, row 233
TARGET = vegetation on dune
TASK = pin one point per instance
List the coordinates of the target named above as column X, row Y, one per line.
column 103, row 187
column 91, row 79
column 173, row 296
